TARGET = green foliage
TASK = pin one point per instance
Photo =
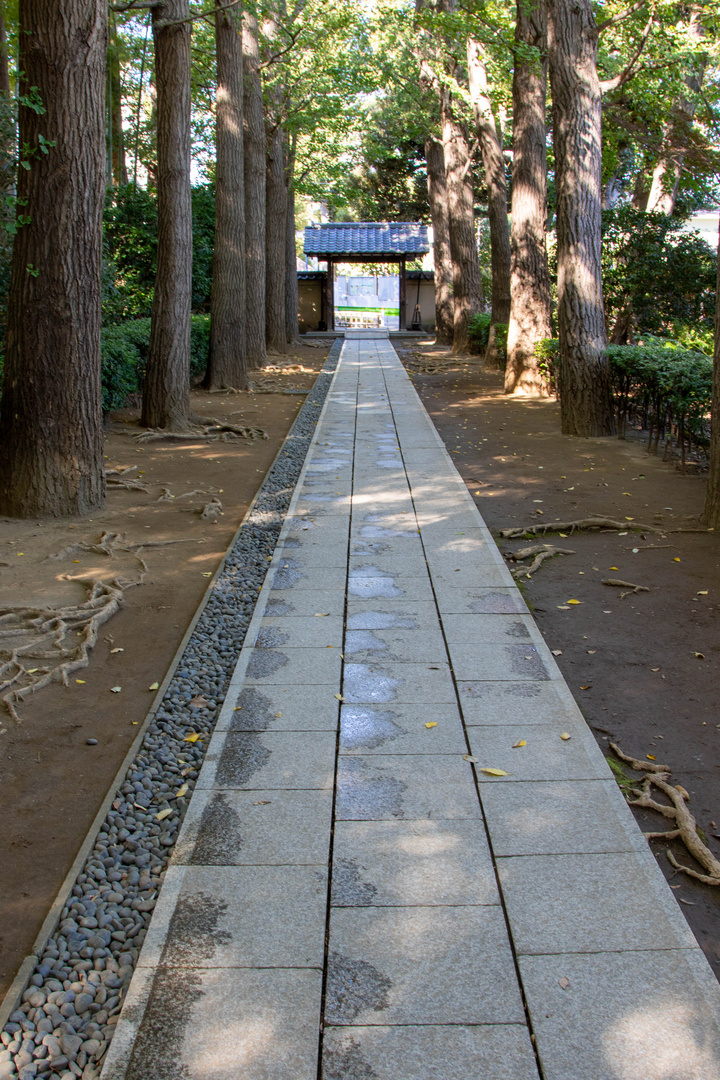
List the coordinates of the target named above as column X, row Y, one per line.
column 130, row 250
column 667, row 275
column 658, row 381
column 124, row 357
column 479, row 333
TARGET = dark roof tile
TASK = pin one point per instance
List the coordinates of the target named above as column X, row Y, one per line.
column 371, row 238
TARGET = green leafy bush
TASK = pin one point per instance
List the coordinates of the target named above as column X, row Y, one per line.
column 124, row 357
column 479, row 331
column 657, row 381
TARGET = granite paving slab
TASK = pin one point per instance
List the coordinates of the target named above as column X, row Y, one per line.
column 351, row 896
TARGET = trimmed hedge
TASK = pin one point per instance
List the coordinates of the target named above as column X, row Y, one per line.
column 124, row 356
column 666, row 386
column 479, row 333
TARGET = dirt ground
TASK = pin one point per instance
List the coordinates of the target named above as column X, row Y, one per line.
column 644, row 669
column 52, row 781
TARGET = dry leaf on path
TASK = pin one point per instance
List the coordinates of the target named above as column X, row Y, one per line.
column 565, row 736
column 520, row 742
column 163, row 814
column 495, row 772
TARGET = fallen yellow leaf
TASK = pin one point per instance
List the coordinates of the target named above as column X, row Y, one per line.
column 115, row 689
column 495, row 772
column 208, row 574
column 574, row 601
column 469, row 757
column 565, row 736
column 277, row 715
column 193, row 737
column 676, row 559
column 587, row 687
column 181, row 791
column 32, row 670
column 321, row 614
column 339, row 697
column 557, row 652
column 650, row 757
column 164, row 813
column 81, row 681
column 520, row 742
column 703, row 592
column 154, row 686
column 700, row 655
column 563, row 607
column 613, row 567
column 116, row 650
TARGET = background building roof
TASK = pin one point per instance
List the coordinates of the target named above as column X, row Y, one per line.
column 372, row 239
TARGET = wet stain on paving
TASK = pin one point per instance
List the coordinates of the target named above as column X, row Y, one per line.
column 352, row 987
column 348, row 887
column 291, row 543
column 286, row 578
column 364, row 794
column 347, row 1064
column 363, row 683
column 271, row 637
column 517, row 630
column 525, row 660
column 243, row 755
column 364, row 728
column 265, row 662
column 194, row 934
column 278, row 607
column 380, row 620
column 218, row 841
column 157, row 1052
column 363, row 641
column 253, row 711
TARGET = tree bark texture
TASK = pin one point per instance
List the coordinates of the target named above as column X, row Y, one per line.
column 226, row 365
column 4, row 63
column 711, row 513
column 254, row 147
column 584, row 371
column 494, row 168
column 116, row 136
column 442, row 257
column 51, row 449
column 467, row 283
column 166, row 394
column 530, row 298
column 275, row 241
column 292, row 301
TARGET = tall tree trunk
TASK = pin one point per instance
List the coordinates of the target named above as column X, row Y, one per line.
column 667, row 171
column 51, row 450
column 8, row 138
column 494, row 166
column 275, row 241
column 530, row 299
column 166, row 394
column 442, row 257
column 711, row 513
column 292, row 301
column 584, row 372
column 467, row 283
column 254, row 144
column 4, row 59
column 116, row 136
column 226, row 363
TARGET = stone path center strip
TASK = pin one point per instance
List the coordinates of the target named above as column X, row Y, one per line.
column 353, row 895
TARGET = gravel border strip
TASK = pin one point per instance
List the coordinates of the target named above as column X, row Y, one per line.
column 60, row 1013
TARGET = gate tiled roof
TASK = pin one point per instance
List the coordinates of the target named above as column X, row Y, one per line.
column 371, row 238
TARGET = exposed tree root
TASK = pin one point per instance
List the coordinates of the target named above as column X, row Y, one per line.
column 539, row 554
column 212, row 431
column 34, row 645
column 119, row 478
column 212, row 511
column 594, row 522
column 114, row 544
column 167, row 496
column 686, row 827
column 627, row 585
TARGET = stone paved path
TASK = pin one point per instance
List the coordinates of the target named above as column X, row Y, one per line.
column 475, row 927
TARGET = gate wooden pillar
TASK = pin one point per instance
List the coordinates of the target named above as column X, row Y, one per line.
column 330, row 295
column 403, row 294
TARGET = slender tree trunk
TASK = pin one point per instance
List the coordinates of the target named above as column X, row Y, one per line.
column 494, row 166
column 711, row 513
column 226, row 363
column 51, row 450
column 275, row 241
column 4, row 60
column 668, row 170
column 166, row 394
column 584, row 371
column 467, row 284
column 115, row 132
column 442, row 257
column 254, row 141
column 530, row 299
column 292, row 301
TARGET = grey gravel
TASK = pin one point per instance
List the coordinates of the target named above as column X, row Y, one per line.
column 67, row 1015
